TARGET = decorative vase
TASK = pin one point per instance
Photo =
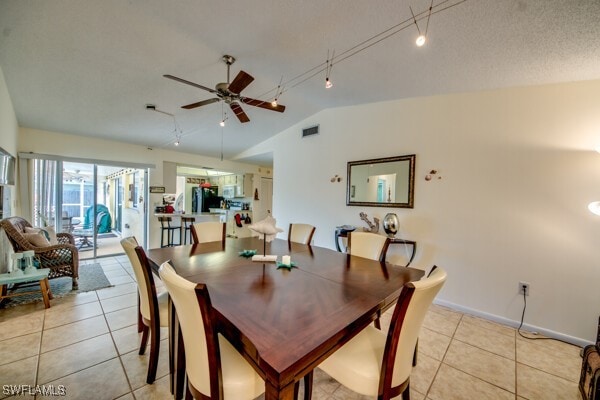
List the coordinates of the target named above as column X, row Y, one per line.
column 390, row 224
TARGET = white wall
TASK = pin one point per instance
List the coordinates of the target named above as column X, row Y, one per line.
column 45, row 142
column 518, row 171
column 9, row 130
column 8, row 141
column 8, row 121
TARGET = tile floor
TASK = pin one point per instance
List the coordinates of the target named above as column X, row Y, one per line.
column 88, row 342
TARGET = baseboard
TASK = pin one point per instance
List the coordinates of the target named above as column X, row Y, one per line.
column 515, row 324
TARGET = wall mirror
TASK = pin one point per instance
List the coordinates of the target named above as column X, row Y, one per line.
column 381, row 182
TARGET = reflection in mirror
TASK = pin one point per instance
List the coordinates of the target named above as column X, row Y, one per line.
column 381, row 182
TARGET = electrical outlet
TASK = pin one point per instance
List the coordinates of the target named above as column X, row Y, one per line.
column 524, row 287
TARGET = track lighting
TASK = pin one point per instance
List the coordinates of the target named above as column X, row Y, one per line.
column 177, row 142
column 274, row 103
column 328, row 67
column 422, row 36
column 222, row 123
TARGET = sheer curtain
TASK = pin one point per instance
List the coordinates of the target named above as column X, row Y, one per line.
column 38, row 188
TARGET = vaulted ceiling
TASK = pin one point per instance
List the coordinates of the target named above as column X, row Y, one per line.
column 89, row 67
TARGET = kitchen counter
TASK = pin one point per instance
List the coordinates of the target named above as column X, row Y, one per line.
column 201, row 214
column 228, row 210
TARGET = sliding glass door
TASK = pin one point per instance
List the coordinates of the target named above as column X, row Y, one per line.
column 98, row 204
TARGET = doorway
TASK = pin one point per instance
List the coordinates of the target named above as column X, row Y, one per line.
column 265, row 199
column 89, row 201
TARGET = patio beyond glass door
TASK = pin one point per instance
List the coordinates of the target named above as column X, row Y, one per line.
column 97, row 204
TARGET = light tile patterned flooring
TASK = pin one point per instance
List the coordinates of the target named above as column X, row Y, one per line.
column 88, row 342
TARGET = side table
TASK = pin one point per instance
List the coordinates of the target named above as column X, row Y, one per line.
column 40, row 275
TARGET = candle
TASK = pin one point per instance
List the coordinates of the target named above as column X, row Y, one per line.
column 286, row 260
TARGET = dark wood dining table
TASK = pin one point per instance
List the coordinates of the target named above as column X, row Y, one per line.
column 286, row 322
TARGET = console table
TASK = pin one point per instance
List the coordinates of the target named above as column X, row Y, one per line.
column 341, row 232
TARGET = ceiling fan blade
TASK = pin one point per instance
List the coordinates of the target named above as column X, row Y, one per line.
column 262, row 104
column 240, row 82
column 190, row 83
column 237, row 110
column 201, row 103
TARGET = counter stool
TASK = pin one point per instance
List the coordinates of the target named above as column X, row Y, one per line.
column 165, row 225
column 186, row 224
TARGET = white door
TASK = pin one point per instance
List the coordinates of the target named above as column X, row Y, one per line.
column 265, row 197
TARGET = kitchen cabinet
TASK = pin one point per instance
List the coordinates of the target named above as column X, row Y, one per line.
column 244, row 185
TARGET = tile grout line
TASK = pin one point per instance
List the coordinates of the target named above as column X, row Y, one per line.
column 443, row 357
column 118, row 353
column 516, row 366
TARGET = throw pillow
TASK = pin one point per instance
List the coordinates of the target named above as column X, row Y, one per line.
column 49, row 232
column 37, row 239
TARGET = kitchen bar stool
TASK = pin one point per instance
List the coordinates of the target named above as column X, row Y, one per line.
column 165, row 225
column 186, row 224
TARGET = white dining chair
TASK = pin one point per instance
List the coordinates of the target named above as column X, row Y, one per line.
column 301, row 233
column 215, row 369
column 152, row 306
column 203, row 232
column 376, row 363
column 368, row 245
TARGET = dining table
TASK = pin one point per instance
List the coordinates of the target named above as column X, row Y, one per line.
column 285, row 321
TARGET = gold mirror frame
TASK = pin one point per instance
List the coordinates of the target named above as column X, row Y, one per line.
column 401, row 167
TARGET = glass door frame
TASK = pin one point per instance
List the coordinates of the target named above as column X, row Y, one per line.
column 95, row 162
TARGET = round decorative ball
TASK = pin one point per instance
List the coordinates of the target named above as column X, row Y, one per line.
column 390, row 224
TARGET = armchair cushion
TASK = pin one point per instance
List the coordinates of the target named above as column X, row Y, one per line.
column 38, row 239
column 48, row 232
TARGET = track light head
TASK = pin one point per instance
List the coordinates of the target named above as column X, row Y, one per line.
column 328, row 84
column 421, row 40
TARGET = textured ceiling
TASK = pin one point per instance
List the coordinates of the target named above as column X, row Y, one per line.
column 89, row 67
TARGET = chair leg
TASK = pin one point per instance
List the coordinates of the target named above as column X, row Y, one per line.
column 377, row 323
column 144, row 341
column 415, row 355
column 406, row 393
column 308, row 385
column 140, row 322
column 154, row 350
column 188, row 393
column 179, row 364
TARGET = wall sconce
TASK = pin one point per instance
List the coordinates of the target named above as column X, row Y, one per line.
column 336, row 178
column 594, row 207
column 431, row 174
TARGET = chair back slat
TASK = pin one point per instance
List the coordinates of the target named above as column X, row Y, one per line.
column 143, row 277
column 301, row 233
column 204, row 232
column 409, row 313
column 194, row 310
column 368, row 245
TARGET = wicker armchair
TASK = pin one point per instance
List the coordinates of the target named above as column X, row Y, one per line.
column 61, row 258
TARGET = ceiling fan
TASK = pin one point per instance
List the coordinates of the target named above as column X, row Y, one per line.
column 230, row 93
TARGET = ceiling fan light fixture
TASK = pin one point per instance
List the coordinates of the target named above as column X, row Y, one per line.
column 421, row 40
column 328, row 84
